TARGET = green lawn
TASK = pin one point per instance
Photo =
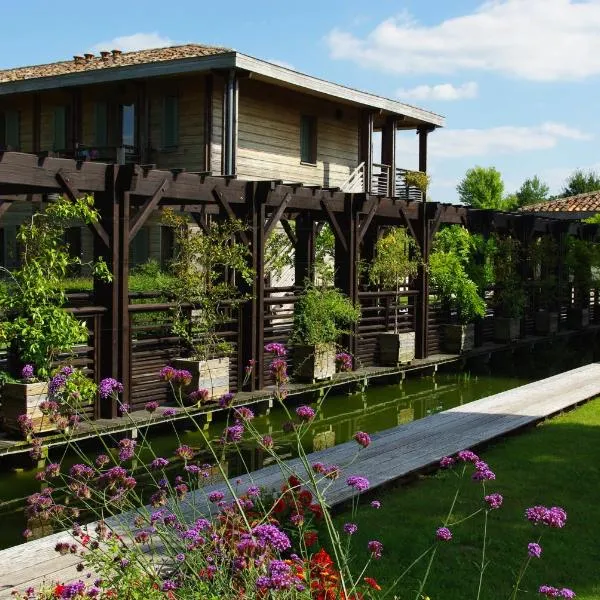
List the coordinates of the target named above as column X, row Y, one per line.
column 557, row 464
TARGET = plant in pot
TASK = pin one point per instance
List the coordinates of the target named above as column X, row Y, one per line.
column 509, row 297
column 582, row 260
column 543, row 255
column 35, row 325
column 452, row 251
column 208, row 270
column 397, row 260
column 417, row 179
column 321, row 316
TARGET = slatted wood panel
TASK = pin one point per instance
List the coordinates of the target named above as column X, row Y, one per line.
column 377, row 310
column 437, row 317
column 393, row 453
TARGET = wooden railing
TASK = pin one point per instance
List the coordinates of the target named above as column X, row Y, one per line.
column 380, row 179
column 404, row 191
column 356, row 180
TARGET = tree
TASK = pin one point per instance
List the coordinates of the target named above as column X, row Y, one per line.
column 482, row 187
column 580, row 182
column 532, row 191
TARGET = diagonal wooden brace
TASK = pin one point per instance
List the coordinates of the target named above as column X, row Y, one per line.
column 222, row 202
column 73, row 194
column 339, row 234
column 408, row 223
column 290, row 232
column 364, row 226
column 147, row 208
column 276, row 216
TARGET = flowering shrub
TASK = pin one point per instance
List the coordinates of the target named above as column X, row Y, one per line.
column 234, row 541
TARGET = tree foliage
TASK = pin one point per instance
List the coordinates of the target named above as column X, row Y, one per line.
column 581, row 182
column 482, row 187
column 532, row 191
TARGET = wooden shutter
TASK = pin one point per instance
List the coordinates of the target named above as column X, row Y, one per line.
column 101, row 124
column 12, row 130
column 60, row 128
column 308, row 139
column 170, row 128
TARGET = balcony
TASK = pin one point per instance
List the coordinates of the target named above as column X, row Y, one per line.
column 119, row 155
column 382, row 183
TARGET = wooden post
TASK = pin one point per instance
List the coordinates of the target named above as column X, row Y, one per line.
column 304, row 257
column 142, row 116
column 388, row 152
column 365, row 149
column 208, row 120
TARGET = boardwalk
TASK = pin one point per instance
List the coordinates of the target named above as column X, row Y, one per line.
column 394, row 453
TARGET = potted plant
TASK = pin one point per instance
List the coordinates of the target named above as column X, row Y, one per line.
column 452, row 252
column 417, row 179
column 205, row 294
column 397, row 259
column 543, row 253
column 509, row 297
column 582, row 261
column 321, row 316
column 35, row 326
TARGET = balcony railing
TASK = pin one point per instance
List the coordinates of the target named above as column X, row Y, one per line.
column 119, row 155
column 380, row 183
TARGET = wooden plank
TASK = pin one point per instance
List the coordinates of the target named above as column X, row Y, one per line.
column 276, row 215
column 224, row 204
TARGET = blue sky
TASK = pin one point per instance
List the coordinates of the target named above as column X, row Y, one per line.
column 517, row 80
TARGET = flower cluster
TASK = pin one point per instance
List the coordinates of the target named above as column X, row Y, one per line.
column 362, row 439
column 175, row 376
column 343, row 361
column 276, row 349
column 200, row 396
column 552, row 592
column 109, row 387
column 360, row 484
column 27, row 373
column 555, row 517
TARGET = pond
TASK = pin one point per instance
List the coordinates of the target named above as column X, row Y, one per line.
column 375, row 409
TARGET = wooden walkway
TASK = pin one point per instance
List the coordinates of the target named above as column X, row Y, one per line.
column 393, row 454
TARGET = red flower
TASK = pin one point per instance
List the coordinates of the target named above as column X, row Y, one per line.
column 58, row 590
column 370, row 581
column 294, row 481
column 316, row 510
column 310, row 538
column 279, row 507
column 305, row 498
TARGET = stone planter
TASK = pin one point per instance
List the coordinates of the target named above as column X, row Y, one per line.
column 578, row 318
column 24, row 399
column 459, row 338
column 314, row 363
column 396, row 348
column 211, row 375
column 507, row 329
column 546, row 322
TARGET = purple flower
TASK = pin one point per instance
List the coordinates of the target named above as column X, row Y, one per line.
column 253, row 491
column 124, row 408
column 243, row 412
column 554, row 517
column 306, row 413
column 159, row 463
column 109, row 386
column 360, row 484
column 446, row 462
column 375, row 504
column 216, row 496
column 200, row 396
column 233, row 434
column 169, row 585
column 180, row 557
column 275, row 348
column 169, row 412
column 27, row 533
column 102, row 460
column 182, row 377
column 166, row 373
column 151, row 406
column 52, row 470
column 443, row 534
column 362, row 439
column 552, row 592
column 27, row 373
column 494, row 500
column 375, row 548
column 267, row 442
column 126, row 449
column 225, row 400
column 534, row 550
column 467, row 456
column 344, row 361
column 184, row 452
column 56, row 384
column 270, row 535
column 350, row 528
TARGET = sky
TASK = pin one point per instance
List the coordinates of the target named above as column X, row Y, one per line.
column 518, row 81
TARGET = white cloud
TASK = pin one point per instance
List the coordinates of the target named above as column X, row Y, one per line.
column 460, row 143
column 136, row 41
column 282, row 63
column 442, row 91
column 543, row 40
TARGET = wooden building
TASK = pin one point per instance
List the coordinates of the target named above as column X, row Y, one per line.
column 202, row 109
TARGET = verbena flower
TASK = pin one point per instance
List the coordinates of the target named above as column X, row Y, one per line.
column 109, row 386
column 169, row 412
column 270, row 535
column 534, row 550
column 126, row 449
column 184, row 452
column 159, row 463
column 553, row 592
column 166, row 373
column 27, row 373
column 362, row 439
column 376, row 504
column 375, row 548
column 245, row 413
column 357, row 482
column 446, row 462
column 151, row 406
column 233, row 434
column 350, row 528
column 554, row 517
column 344, row 361
column 225, row 400
column 494, row 501
column 306, row 413
column 443, row 534
column 200, row 396
column 467, row 456
column 216, row 496
column 267, row 441
column 276, row 348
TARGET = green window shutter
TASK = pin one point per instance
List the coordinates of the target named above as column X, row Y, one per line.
column 60, row 128
column 12, row 133
column 101, row 124
column 139, row 248
column 308, row 139
column 170, row 130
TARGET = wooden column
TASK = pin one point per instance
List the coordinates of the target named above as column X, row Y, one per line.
column 365, row 149
column 115, row 341
column 422, row 283
column 304, row 256
column 388, row 151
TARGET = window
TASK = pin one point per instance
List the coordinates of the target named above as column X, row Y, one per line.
column 128, row 125
column 60, row 128
column 10, row 130
column 170, row 130
column 101, row 124
column 308, row 139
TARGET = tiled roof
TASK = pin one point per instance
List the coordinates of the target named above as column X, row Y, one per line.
column 588, row 202
column 110, row 60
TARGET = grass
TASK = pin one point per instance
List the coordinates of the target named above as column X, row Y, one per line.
column 556, row 464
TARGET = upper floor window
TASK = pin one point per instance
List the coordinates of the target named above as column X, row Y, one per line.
column 170, row 128
column 128, row 124
column 10, row 134
column 60, row 128
column 308, row 139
